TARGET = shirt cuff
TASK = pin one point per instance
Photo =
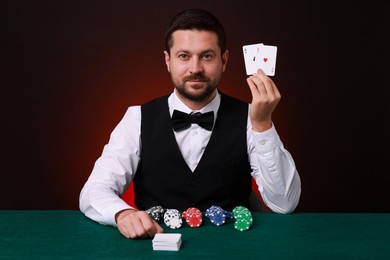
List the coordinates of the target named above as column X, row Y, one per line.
column 266, row 141
column 110, row 211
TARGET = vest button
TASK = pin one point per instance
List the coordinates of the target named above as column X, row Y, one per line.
column 193, row 183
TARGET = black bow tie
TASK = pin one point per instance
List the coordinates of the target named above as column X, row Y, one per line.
column 181, row 120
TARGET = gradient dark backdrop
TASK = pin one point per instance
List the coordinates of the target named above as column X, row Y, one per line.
column 70, row 69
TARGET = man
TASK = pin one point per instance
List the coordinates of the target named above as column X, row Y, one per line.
column 192, row 166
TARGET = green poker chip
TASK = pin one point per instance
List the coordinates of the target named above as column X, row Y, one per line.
column 243, row 218
column 242, row 225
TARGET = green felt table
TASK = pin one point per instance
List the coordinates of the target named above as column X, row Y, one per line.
column 68, row 234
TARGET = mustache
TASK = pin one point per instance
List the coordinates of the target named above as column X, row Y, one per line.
column 196, row 77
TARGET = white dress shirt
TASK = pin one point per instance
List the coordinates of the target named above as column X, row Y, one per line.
column 273, row 167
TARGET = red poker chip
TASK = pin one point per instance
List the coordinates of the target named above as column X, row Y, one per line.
column 195, row 221
column 193, row 217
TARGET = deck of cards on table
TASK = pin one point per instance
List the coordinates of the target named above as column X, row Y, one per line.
column 167, row 241
column 260, row 56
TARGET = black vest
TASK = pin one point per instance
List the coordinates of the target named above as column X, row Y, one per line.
column 222, row 176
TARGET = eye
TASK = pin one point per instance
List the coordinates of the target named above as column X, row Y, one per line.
column 183, row 56
column 208, row 56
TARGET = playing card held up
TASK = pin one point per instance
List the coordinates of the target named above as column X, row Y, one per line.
column 260, row 56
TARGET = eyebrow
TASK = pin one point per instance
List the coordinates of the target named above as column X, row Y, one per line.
column 203, row 52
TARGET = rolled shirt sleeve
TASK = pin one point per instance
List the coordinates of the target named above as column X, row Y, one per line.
column 100, row 198
column 274, row 170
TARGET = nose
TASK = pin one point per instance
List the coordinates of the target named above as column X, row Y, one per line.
column 196, row 66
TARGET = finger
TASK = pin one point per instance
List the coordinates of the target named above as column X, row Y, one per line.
column 266, row 89
column 257, row 87
column 131, row 226
column 154, row 229
column 150, row 225
column 127, row 222
column 141, row 227
column 145, row 226
column 122, row 229
column 253, row 87
column 267, row 82
column 159, row 229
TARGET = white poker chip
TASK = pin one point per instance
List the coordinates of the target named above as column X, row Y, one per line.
column 172, row 218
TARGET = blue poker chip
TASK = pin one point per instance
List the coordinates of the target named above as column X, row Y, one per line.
column 218, row 219
column 216, row 215
column 228, row 214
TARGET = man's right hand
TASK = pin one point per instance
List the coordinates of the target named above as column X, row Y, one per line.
column 137, row 224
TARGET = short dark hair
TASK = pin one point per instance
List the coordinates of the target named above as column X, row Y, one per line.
column 195, row 19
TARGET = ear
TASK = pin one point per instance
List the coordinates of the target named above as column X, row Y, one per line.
column 167, row 60
column 225, row 57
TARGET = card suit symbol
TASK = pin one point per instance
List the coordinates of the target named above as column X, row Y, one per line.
column 265, row 59
column 254, row 58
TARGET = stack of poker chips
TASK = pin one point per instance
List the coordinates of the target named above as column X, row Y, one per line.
column 243, row 218
column 172, row 218
column 217, row 215
column 156, row 212
column 193, row 217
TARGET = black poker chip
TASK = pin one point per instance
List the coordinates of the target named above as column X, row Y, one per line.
column 156, row 212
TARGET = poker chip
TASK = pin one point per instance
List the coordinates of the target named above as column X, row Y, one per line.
column 243, row 218
column 228, row 214
column 242, row 225
column 172, row 218
column 217, row 215
column 193, row 217
column 156, row 212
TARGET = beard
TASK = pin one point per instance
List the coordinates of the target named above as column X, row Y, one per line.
column 206, row 85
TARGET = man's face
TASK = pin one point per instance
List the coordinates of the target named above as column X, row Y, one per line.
column 195, row 63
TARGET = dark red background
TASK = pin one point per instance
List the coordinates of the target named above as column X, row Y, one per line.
column 70, row 69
